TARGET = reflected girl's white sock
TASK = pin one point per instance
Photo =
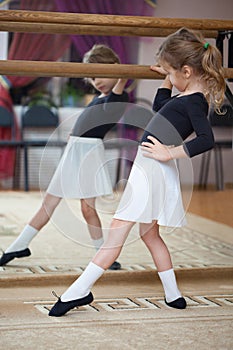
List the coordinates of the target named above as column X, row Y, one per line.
column 23, row 240
column 98, row 243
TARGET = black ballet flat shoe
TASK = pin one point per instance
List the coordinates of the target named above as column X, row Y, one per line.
column 6, row 257
column 179, row 303
column 115, row 266
column 60, row 308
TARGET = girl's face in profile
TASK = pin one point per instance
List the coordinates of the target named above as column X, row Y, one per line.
column 103, row 85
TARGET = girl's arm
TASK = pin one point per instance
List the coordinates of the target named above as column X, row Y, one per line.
column 118, row 94
column 157, row 150
column 119, row 87
column 163, row 94
column 166, row 82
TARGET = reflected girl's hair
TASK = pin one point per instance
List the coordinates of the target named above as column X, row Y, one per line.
column 188, row 47
column 101, row 53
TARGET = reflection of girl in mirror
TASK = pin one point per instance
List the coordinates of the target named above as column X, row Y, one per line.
column 82, row 172
column 152, row 196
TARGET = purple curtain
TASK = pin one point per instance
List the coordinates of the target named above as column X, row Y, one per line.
column 36, row 46
column 122, row 45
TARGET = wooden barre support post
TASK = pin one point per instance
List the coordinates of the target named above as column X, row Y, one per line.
column 114, row 20
column 81, row 70
column 87, row 29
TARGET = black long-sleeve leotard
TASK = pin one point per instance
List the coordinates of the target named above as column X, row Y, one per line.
column 100, row 115
column 177, row 118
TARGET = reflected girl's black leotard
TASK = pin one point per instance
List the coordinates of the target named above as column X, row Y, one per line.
column 100, row 115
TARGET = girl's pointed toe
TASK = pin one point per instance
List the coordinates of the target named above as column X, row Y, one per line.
column 60, row 308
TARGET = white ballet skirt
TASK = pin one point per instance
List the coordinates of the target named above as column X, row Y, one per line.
column 82, row 171
column 152, row 193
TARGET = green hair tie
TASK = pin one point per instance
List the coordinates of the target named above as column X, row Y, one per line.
column 206, row 45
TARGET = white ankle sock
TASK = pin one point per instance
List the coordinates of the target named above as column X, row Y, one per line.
column 98, row 243
column 168, row 280
column 82, row 286
column 23, row 240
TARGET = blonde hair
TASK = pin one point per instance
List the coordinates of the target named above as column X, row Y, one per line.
column 101, row 53
column 188, row 47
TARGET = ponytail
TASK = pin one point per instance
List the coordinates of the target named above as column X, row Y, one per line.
column 213, row 75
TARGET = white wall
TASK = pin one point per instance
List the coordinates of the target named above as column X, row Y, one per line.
column 209, row 9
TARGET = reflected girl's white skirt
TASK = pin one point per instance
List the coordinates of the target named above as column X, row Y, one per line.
column 82, row 171
column 152, row 193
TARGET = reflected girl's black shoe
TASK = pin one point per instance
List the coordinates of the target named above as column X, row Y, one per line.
column 6, row 257
column 62, row 307
column 115, row 266
column 179, row 303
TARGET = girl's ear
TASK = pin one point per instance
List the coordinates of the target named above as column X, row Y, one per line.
column 187, row 71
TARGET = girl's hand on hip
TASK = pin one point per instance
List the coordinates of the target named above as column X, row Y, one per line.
column 156, row 150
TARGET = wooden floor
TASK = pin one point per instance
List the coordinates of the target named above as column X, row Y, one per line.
column 213, row 205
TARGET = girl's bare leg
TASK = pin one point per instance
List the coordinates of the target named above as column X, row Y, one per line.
column 90, row 215
column 94, row 226
column 43, row 215
column 150, row 235
column 19, row 248
column 111, row 249
column 103, row 259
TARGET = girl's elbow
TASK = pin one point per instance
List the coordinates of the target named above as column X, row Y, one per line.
column 210, row 144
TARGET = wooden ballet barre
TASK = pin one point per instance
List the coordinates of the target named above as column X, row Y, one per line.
column 114, row 20
column 81, row 70
column 75, row 70
column 86, row 29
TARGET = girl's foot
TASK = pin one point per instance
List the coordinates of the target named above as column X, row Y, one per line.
column 62, row 307
column 7, row 257
column 179, row 303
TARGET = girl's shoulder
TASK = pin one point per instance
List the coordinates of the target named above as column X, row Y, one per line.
column 96, row 100
column 193, row 96
column 194, row 104
column 191, row 99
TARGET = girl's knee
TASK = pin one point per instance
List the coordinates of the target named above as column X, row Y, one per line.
column 149, row 232
column 87, row 209
column 50, row 202
column 119, row 224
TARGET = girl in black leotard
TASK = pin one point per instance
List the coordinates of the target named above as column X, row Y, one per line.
column 82, row 172
column 152, row 196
